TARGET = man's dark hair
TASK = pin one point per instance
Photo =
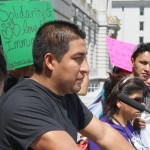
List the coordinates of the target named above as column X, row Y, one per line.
column 142, row 47
column 54, row 37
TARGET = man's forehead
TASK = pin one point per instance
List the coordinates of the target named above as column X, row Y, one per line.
column 143, row 55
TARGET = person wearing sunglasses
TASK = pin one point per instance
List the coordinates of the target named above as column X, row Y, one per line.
column 118, row 114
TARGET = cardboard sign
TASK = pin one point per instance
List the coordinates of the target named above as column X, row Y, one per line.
column 19, row 21
column 120, row 53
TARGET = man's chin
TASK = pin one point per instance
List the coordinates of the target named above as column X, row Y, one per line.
column 145, row 78
column 76, row 89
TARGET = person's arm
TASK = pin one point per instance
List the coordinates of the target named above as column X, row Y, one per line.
column 105, row 136
column 55, row 140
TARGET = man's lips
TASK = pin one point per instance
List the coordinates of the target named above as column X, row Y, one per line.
column 80, row 80
column 137, row 114
column 145, row 74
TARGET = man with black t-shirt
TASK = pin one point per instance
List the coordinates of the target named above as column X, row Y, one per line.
column 43, row 112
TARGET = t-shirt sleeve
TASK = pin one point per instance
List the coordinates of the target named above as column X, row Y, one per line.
column 84, row 114
column 28, row 119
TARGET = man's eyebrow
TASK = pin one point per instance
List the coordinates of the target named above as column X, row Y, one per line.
column 81, row 53
column 144, row 61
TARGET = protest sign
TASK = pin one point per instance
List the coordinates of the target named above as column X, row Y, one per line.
column 19, row 21
column 120, row 53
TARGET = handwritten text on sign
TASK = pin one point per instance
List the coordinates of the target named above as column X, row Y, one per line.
column 19, row 22
column 120, row 53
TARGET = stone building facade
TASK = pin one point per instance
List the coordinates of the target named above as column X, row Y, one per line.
column 134, row 28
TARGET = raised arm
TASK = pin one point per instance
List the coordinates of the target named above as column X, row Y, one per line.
column 105, row 136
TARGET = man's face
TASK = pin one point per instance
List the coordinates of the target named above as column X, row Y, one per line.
column 141, row 65
column 68, row 74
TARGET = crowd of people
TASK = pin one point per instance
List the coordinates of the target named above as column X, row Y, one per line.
column 41, row 109
column 118, row 114
column 140, row 69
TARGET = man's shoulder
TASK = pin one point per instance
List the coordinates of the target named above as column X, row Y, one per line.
column 21, row 90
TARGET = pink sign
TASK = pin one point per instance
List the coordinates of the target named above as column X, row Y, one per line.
column 120, row 53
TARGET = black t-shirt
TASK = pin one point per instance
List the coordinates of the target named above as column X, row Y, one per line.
column 10, row 82
column 29, row 109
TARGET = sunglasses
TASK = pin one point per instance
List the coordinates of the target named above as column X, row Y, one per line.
column 139, row 99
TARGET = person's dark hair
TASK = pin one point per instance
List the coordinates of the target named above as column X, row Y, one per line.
column 120, row 83
column 117, row 70
column 3, row 68
column 140, row 48
column 54, row 37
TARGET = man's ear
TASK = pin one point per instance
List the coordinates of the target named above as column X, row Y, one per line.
column 48, row 59
column 132, row 62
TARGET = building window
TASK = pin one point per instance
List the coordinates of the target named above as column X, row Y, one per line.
column 141, row 25
column 89, row 33
column 141, row 11
column 75, row 20
column 141, row 39
column 83, row 26
column 95, row 31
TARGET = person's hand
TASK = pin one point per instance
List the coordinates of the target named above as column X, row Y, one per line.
column 139, row 123
column 83, row 144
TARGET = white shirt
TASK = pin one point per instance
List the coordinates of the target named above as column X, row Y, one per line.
column 145, row 133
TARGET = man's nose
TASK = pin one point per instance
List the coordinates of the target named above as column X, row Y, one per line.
column 147, row 67
column 85, row 66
